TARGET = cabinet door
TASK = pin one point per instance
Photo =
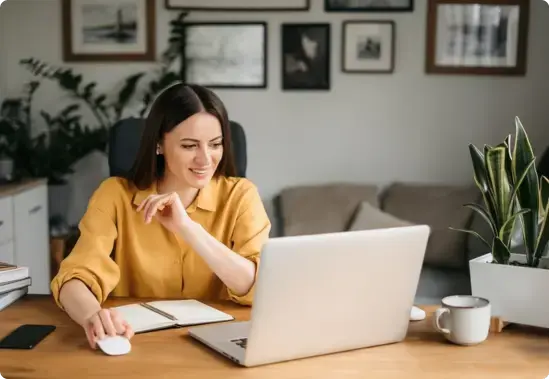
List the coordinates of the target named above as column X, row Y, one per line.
column 32, row 248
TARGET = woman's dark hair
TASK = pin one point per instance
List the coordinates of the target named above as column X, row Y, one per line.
column 173, row 106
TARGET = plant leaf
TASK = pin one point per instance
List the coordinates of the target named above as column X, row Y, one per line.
column 481, row 179
column 485, row 215
column 499, row 186
column 516, row 187
column 480, row 173
column 128, row 89
column 528, row 191
column 501, row 254
column 474, row 234
column 505, row 233
column 543, row 191
column 542, row 238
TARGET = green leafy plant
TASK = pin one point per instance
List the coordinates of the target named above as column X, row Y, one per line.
column 106, row 113
column 27, row 151
column 107, row 108
column 69, row 141
column 68, row 138
column 512, row 192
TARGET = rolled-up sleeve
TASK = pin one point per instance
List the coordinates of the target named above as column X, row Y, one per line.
column 90, row 260
column 251, row 231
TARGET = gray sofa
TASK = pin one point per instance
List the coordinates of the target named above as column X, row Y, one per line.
column 322, row 208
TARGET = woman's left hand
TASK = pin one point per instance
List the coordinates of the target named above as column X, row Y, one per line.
column 167, row 209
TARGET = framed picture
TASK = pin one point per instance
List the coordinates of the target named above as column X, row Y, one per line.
column 306, row 56
column 108, row 30
column 239, row 5
column 369, row 5
column 226, row 54
column 481, row 37
column 368, row 46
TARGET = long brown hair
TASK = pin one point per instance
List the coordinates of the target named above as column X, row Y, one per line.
column 174, row 105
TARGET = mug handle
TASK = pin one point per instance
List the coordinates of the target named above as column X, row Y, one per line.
column 438, row 314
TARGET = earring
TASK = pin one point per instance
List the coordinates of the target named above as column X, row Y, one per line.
column 158, row 150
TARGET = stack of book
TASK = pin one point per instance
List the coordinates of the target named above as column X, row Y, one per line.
column 14, row 283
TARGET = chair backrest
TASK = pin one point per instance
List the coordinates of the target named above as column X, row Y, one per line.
column 125, row 138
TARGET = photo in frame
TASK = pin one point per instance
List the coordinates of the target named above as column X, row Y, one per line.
column 369, row 5
column 305, row 56
column 226, row 54
column 485, row 37
column 239, row 5
column 108, row 30
column 368, row 46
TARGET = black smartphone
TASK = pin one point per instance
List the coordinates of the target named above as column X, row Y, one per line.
column 26, row 336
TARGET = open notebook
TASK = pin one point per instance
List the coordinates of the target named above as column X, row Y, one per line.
column 144, row 317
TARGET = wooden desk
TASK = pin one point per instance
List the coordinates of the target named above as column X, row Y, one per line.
column 515, row 353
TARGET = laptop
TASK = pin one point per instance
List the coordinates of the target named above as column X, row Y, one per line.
column 325, row 293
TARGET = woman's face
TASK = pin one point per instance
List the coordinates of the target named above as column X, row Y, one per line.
column 193, row 149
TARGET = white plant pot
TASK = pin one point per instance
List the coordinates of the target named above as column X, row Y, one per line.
column 517, row 294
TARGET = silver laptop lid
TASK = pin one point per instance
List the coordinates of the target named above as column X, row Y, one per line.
column 326, row 293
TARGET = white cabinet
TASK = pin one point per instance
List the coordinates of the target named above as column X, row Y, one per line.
column 24, row 233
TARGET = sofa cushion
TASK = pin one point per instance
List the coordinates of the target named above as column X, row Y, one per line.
column 326, row 208
column 370, row 217
column 440, row 207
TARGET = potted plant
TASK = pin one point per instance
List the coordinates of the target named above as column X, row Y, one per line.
column 513, row 276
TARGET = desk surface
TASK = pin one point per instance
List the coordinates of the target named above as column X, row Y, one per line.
column 516, row 353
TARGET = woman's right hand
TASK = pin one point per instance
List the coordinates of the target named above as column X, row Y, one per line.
column 106, row 322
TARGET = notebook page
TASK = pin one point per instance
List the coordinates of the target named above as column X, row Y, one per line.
column 191, row 312
column 142, row 319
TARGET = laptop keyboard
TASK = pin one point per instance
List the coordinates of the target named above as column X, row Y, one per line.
column 240, row 342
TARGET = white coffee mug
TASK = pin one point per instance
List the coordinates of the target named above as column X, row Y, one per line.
column 464, row 319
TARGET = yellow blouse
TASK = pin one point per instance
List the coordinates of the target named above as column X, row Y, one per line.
column 117, row 253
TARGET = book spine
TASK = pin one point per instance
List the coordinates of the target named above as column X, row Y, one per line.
column 156, row 310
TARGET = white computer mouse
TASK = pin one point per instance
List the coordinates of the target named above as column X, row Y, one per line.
column 417, row 314
column 115, row 345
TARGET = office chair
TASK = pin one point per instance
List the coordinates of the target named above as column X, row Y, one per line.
column 125, row 138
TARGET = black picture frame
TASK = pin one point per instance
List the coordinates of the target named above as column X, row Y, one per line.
column 330, row 6
column 295, row 59
column 195, row 78
column 369, row 66
column 237, row 7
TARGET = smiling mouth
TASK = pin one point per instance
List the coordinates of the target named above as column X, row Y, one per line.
column 198, row 172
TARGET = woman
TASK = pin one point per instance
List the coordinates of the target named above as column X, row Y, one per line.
column 180, row 226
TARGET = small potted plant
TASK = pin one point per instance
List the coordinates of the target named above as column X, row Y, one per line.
column 513, row 275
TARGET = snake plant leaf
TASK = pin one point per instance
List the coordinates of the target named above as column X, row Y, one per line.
column 483, row 213
column 474, row 234
column 481, row 179
column 508, row 144
column 543, row 191
column 516, row 186
column 501, row 254
column 499, row 186
column 542, row 238
column 528, row 191
column 480, row 173
column 505, row 233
